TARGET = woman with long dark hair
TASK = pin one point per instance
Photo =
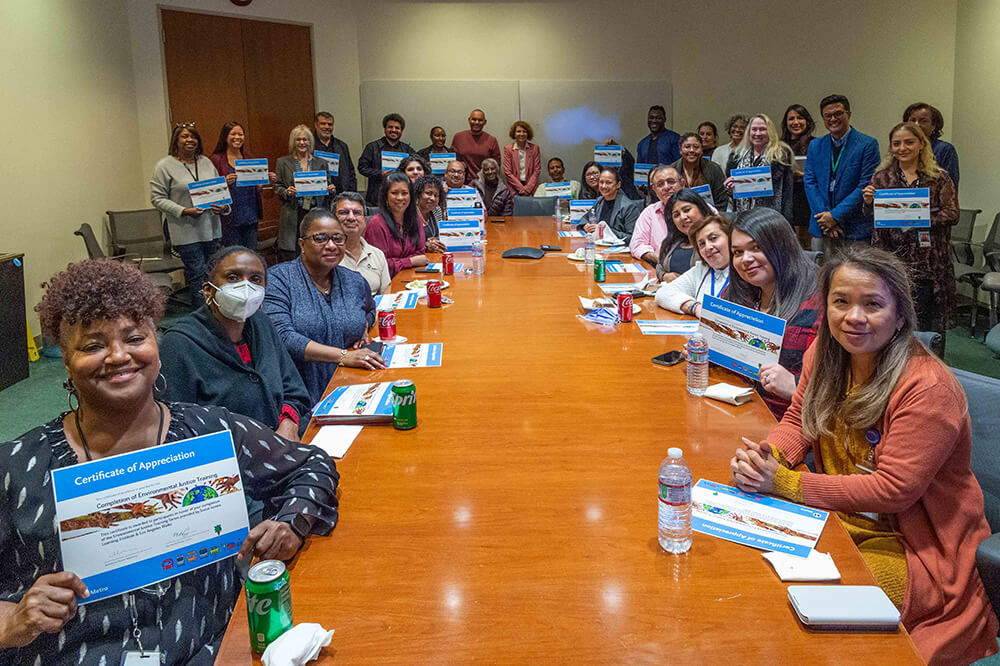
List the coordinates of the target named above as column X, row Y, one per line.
column 889, row 429
column 590, row 179
column 695, row 170
column 396, row 228
column 797, row 127
column 677, row 255
column 771, row 273
column 239, row 226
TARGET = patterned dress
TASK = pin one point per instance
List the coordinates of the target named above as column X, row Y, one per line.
column 931, row 264
column 185, row 617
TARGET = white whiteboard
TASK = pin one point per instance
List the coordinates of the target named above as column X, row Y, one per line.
column 568, row 117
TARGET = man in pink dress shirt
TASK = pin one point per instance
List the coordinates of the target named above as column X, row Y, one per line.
column 651, row 227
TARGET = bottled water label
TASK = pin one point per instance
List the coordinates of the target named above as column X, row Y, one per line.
column 675, row 495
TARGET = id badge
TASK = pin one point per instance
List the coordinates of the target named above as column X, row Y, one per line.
column 924, row 237
column 136, row 658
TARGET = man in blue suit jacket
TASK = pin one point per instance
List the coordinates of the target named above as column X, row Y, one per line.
column 661, row 145
column 838, row 167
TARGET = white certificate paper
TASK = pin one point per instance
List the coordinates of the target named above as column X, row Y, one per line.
column 755, row 520
column 332, row 161
column 561, row 190
column 413, row 356
column 740, row 339
column 461, row 229
column 204, row 193
column 608, row 155
column 667, row 326
column 138, row 518
column 310, row 183
column 706, row 193
column 390, row 160
column 439, row 162
column 752, row 182
column 903, row 208
column 641, row 173
column 251, row 172
column 463, row 197
column 578, row 209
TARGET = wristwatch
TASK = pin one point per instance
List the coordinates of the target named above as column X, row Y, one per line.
column 301, row 525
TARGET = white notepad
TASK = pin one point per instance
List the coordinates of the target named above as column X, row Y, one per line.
column 845, row 607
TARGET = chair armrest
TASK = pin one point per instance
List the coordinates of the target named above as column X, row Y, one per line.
column 993, row 259
column 988, row 564
column 130, row 257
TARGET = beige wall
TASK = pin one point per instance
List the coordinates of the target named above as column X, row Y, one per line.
column 769, row 54
column 977, row 98
column 67, row 129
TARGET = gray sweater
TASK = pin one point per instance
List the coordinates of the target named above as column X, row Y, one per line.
column 169, row 194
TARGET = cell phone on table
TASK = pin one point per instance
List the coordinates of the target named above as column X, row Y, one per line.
column 669, row 358
column 376, row 347
column 551, row 248
column 427, row 270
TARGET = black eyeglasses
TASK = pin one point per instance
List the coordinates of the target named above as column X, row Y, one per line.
column 322, row 239
column 184, row 125
column 833, row 115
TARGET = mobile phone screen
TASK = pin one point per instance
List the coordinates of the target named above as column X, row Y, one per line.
column 669, row 358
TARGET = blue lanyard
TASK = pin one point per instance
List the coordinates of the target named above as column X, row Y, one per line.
column 714, row 292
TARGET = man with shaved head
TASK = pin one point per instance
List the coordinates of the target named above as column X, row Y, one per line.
column 474, row 145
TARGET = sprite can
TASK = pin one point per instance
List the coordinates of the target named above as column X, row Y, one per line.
column 269, row 603
column 404, row 404
column 600, row 269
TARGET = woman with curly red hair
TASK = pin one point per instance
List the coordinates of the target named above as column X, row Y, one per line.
column 104, row 313
column 522, row 160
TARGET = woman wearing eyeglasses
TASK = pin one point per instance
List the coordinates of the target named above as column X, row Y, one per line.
column 294, row 206
column 396, row 228
column 321, row 310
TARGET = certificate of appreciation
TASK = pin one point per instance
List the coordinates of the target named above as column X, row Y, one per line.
column 740, row 339
column 903, row 208
column 204, row 193
column 578, row 209
column 390, row 160
column 561, row 190
column 608, row 155
column 641, row 173
column 439, row 162
column 251, row 172
column 332, row 161
column 310, row 183
column 752, row 182
column 138, row 518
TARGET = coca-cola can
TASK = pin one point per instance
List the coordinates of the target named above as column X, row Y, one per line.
column 600, row 229
column 447, row 263
column 387, row 325
column 624, row 307
column 433, row 293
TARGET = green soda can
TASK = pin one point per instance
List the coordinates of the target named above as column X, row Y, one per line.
column 600, row 269
column 404, row 404
column 269, row 603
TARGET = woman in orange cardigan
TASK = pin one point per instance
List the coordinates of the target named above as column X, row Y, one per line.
column 889, row 427
column 522, row 160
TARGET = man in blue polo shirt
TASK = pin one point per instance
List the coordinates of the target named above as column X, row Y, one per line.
column 838, row 167
column 661, row 145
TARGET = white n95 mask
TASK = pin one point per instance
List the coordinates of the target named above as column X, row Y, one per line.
column 238, row 300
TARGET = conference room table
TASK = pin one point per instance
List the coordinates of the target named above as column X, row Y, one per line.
column 517, row 522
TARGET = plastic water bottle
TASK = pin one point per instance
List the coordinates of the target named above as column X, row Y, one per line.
column 589, row 250
column 697, row 364
column 674, row 500
column 557, row 213
column 478, row 258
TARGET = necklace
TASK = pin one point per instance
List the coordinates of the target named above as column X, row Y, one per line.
column 325, row 292
column 83, row 439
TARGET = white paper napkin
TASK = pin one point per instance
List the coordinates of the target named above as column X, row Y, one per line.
column 299, row 645
column 734, row 395
column 336, row 439
column 818, row 566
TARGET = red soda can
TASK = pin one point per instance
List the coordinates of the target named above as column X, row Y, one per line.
column 433, row 293
column 447, row 263
column 387, row 325
column 624, row 307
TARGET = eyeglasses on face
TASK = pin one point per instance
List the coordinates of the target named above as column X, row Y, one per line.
column 833, row 115
column 322, row 239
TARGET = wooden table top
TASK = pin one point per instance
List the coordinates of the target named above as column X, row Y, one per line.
column 517, row 522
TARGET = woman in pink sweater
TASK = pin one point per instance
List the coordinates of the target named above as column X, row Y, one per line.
column 889, row 428
column 396, row 228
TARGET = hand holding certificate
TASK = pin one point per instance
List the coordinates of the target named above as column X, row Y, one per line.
column 902, row 208
column 740, row 339
column 608, row 155
column 752, row 182
column 310, row 183
column 390, row 160
column 251, row 172
column 210, row 192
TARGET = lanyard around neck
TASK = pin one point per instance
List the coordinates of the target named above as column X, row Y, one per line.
column 724, row 284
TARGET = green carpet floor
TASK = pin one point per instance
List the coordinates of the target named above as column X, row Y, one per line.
column 41, row 397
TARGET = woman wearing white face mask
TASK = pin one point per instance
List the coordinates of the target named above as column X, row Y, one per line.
column 227, row 352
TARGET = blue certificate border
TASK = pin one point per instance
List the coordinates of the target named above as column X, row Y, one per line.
column 755, row 318
column 904, row 193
